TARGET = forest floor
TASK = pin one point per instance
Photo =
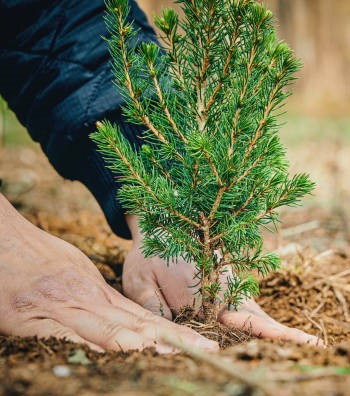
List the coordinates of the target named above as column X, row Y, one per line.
column 311, row 292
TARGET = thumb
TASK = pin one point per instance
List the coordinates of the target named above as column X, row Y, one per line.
column 149, row 296
column 155, row 302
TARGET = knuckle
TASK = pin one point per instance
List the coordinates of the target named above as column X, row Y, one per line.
column 51, row 289
column 24, row 303
column 83, row 288
column 140, row 323
column 149, row 317
column 151, row 331
column 67, row 287
column 77, row 286
column 110, row 332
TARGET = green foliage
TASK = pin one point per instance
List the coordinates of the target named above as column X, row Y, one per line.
column 212, row 169
column 324, row 371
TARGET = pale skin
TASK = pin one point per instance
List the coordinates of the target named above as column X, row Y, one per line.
column 50, row 288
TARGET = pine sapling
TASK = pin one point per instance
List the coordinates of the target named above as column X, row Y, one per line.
column 211, row 170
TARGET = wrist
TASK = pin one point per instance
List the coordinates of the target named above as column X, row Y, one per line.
column 6, row 211
column 12, row 223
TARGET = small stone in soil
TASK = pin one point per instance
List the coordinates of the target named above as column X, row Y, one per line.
column 61, row 371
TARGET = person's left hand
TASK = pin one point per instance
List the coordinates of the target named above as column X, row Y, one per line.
column 163, row 290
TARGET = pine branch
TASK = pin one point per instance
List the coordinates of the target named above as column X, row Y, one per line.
column 212, row 166
column 247, row 172
column 162, row 171
column 244, row 90
column 238, row 111
column 195, row 174
column 175, row 62
column 246, row 203
column 147, row 187
column 217, row 201
column 202, row 114
column 262, row 123
column 163, row 104
column 128, row 83
column 225, row 73
column 188, row 247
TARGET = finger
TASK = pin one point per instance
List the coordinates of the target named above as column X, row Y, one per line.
column 180, row 332
column 45, row 328
column 261, row 327
column 151, row 327
column 300, row 337
column 112, row 333
column 152, row 299
column 155, row 302
column 257, row 326
column 180, row 286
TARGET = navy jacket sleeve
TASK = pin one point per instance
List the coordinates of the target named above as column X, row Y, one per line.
column 55, row 75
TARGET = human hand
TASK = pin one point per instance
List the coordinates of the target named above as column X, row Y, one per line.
column 162, row 289
column 50, row 288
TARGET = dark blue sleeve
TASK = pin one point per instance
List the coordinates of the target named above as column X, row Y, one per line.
column 55, row 75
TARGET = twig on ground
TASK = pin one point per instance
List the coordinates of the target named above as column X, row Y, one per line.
column 339, row 286
column 328, row 279
column 301, row 228
column 325, row 254
column 288, row 250
column 324, row 330
column 341, row 323
column 221, row 364
column 317, row 325
column 45, row 347
column 340, row 274
column 340, row 297
column 317, row 309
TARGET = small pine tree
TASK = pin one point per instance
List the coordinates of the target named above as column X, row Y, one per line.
column 211, row 170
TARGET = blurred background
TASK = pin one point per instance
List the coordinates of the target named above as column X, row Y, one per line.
column 319, row 32
column 316, row 128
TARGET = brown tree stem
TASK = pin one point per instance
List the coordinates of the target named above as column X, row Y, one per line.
column 163, row 104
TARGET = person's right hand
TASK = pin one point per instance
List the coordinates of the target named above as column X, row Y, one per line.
column 50, row 288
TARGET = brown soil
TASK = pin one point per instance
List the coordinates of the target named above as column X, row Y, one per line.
column 310, row 292
column 224, row 336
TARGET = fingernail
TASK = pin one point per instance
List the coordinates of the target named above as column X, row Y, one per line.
column 164, row 349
